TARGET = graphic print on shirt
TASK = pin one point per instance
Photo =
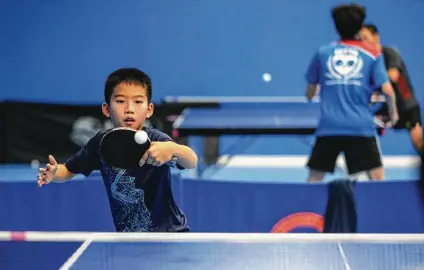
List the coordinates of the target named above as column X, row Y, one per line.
column 132, row 210
column 344, row 66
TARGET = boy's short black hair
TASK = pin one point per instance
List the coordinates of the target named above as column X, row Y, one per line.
column 348, row 19
column 371, row 27
column 127, row 75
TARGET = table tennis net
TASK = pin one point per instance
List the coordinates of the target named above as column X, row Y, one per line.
column 245, row 251
column 193, row 237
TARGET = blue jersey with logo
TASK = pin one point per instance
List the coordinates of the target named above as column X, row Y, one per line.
column 347, row 72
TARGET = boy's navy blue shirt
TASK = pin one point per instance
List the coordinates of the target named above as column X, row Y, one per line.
column 150, row 207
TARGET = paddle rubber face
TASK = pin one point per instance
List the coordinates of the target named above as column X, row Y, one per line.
column 119, row 149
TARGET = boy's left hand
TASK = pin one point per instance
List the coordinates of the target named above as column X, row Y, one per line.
column 158, row 154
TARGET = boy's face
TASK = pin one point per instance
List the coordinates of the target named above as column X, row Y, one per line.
column 368, row 37
column 129, row 106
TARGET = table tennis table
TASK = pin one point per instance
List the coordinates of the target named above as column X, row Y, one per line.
column 271, row 116
column 250, row 119
column 218, row 251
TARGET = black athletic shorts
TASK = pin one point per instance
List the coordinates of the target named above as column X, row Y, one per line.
column 361, row 153
column 407, row 119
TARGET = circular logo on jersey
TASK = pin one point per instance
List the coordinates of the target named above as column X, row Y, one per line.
column 345, row 64
column 307, row 220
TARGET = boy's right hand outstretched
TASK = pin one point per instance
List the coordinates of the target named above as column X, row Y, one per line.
column 47, row 174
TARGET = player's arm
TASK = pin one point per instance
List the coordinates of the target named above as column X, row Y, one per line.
column 63, row 174
column 388, row 91
column 312, row 91
column 53, row 171
column 161, row 152
column 163, row 149
column 381, row 79
column 184, row 154
column 393, row 65
column 417, row 138
column 312, row 78
column 393, row 74
column 83, row 162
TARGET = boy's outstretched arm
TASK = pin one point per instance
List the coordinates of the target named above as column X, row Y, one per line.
column 185, row 155
column 55, row 171
column 161, row 152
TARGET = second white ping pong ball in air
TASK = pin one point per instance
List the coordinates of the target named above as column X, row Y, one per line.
column 141, row 137
column 266, row 77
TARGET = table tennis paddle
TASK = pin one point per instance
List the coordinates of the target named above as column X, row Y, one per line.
column 119, row 148
column 381, row 124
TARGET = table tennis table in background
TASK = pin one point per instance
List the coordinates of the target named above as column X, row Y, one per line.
column 245, row 116
column 250, row 116
column 250, row 119
column 225, row 251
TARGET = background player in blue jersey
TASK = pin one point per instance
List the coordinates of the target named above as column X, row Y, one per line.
column 151, row 206
column 347, row 71
column 407, row 105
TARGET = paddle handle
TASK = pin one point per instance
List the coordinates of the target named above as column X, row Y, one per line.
column 172, row 162
column 378, row 122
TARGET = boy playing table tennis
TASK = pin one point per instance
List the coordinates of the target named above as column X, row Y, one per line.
column 151, row 207
column 347, row 72
column 407, row 104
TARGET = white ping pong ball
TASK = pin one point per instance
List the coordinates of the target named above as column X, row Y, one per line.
column 141, row 137
column 266, row 77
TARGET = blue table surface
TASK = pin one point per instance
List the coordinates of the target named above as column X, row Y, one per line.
column 286, row 115
column 210, row 256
